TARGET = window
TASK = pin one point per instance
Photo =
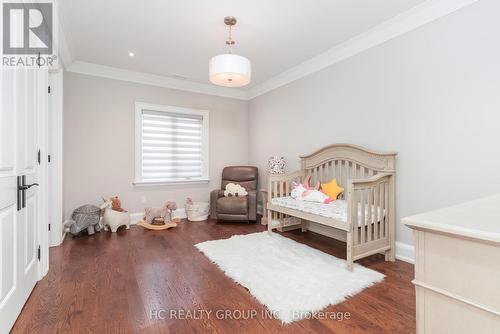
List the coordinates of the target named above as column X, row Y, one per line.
column 171, row 144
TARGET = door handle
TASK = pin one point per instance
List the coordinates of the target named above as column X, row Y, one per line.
column 21, row 191
column 27, row 186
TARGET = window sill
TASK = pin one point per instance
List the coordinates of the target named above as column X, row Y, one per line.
column 169, row 183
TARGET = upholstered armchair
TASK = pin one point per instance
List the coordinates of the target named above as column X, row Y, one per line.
column 236, row 208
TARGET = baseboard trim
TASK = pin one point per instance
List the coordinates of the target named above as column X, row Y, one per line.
column 136, row 217
column 405, row 252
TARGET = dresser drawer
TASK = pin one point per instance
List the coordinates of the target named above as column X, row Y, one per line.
column 462, row 267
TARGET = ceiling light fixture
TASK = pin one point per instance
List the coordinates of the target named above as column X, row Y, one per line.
column 131, row 54
column 230, row 70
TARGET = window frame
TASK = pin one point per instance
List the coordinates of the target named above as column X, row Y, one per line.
column 139, row 107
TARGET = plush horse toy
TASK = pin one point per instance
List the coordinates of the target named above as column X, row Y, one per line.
column 304, row 192
column 164, row 212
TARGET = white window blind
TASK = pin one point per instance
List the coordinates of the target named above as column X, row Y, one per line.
column 172, row 145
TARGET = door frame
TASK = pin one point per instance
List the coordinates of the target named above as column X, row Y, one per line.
column 55, row 150
column 42, row 102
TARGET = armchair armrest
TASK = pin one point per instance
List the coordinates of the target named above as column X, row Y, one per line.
column 252, row 205
column 214, row 195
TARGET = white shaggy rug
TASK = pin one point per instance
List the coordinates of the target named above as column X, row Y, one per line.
column 293, row 280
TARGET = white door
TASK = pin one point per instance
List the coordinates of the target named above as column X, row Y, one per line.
column 19, row 210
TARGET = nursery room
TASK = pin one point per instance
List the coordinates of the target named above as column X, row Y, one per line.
column 266, row 166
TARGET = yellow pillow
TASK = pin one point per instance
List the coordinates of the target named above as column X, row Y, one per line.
column 332, row 189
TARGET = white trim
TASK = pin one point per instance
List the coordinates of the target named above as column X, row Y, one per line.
column 409, row 20
column 405, row 252
column 170, row 183
column 41, row 101
column 55, row 149
column 136, row 217
column 154, row 80
column 61, row 42
column 455, row 297
column 63, row 49
column 139, row 107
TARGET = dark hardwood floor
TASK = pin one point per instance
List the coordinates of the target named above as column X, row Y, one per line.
column 110, row 283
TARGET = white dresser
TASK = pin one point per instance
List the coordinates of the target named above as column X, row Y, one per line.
column 457, row 268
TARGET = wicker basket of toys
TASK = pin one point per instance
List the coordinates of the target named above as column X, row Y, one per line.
column 197, row 211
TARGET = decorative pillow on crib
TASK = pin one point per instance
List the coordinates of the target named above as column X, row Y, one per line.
column 332, row 189
column 234, row 189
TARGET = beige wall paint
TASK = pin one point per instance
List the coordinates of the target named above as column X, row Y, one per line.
column 99, row 141
column 433, row 95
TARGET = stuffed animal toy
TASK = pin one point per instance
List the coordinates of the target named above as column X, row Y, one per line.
column 112, row 218
column 164, row 212
column 116, row 204
column 306, row 183
column 303, row 192
column 233, row 189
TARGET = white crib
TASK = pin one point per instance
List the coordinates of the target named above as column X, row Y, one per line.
column 368, row 226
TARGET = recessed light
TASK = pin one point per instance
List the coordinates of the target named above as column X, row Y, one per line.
column 131, row 54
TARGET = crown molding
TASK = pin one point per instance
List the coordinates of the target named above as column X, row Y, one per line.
column 154, row 80
column 61, row 39
column 409, row 20
column 63, row 48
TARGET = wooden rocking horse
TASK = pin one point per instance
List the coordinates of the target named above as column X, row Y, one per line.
column 159, row 218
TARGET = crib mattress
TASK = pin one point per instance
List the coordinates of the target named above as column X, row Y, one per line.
column 336, row 209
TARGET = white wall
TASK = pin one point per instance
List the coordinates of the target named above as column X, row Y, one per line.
column 433, row 95
column 99, row 141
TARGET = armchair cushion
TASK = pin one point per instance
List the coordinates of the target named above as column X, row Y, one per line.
column 232, row 205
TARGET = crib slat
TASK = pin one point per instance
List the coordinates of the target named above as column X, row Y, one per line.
column 369, row 219
column 339, row 173
column 275, row 194
column 363, row 216
column 376, row 220
column 344, row 174
column 354, row 215
column 349, row 171
column 386, row 200
column 383, row 210
column 353, row 171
